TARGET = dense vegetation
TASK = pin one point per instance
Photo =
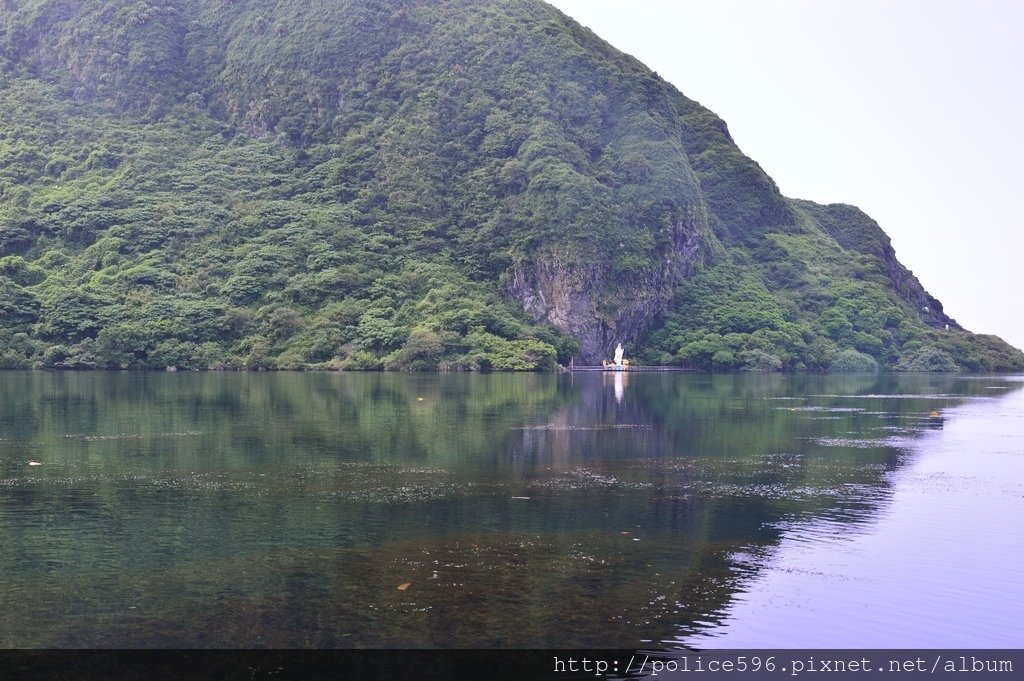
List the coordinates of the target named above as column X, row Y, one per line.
column 407, row 185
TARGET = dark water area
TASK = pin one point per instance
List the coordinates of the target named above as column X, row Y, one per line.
column 500, row 511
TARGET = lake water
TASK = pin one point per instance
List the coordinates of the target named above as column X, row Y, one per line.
column 595, row 510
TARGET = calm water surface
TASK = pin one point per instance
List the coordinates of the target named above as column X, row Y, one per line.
column 382, row 510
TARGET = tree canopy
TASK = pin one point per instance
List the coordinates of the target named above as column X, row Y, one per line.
column 407, row 185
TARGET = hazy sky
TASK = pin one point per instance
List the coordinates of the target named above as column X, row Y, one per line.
column 912, row 110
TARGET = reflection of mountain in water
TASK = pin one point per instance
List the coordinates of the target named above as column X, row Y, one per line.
column 534, row 510
column 731, row 460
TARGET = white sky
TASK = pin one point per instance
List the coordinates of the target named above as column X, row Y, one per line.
column 912, row 110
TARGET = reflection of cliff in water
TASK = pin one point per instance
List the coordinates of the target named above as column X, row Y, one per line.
column 667, row 416
column 728, row 459
column 525, row 510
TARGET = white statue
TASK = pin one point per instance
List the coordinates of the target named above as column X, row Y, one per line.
column 618, row 355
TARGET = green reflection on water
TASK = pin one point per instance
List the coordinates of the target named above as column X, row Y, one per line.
column 285, row 510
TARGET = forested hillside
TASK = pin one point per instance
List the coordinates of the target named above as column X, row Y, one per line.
column 410, row 185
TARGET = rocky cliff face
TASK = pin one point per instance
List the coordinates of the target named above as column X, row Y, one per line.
column 855, row 230
column 909, row 287
column 585, row 301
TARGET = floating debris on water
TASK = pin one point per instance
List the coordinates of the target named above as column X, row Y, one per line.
column 128, row 436
column 927, row 396
column 833, row 410
column 585, row 479
column 602, row 426
column 857, row 443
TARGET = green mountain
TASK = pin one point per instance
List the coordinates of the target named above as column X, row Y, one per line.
column 409, row 184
